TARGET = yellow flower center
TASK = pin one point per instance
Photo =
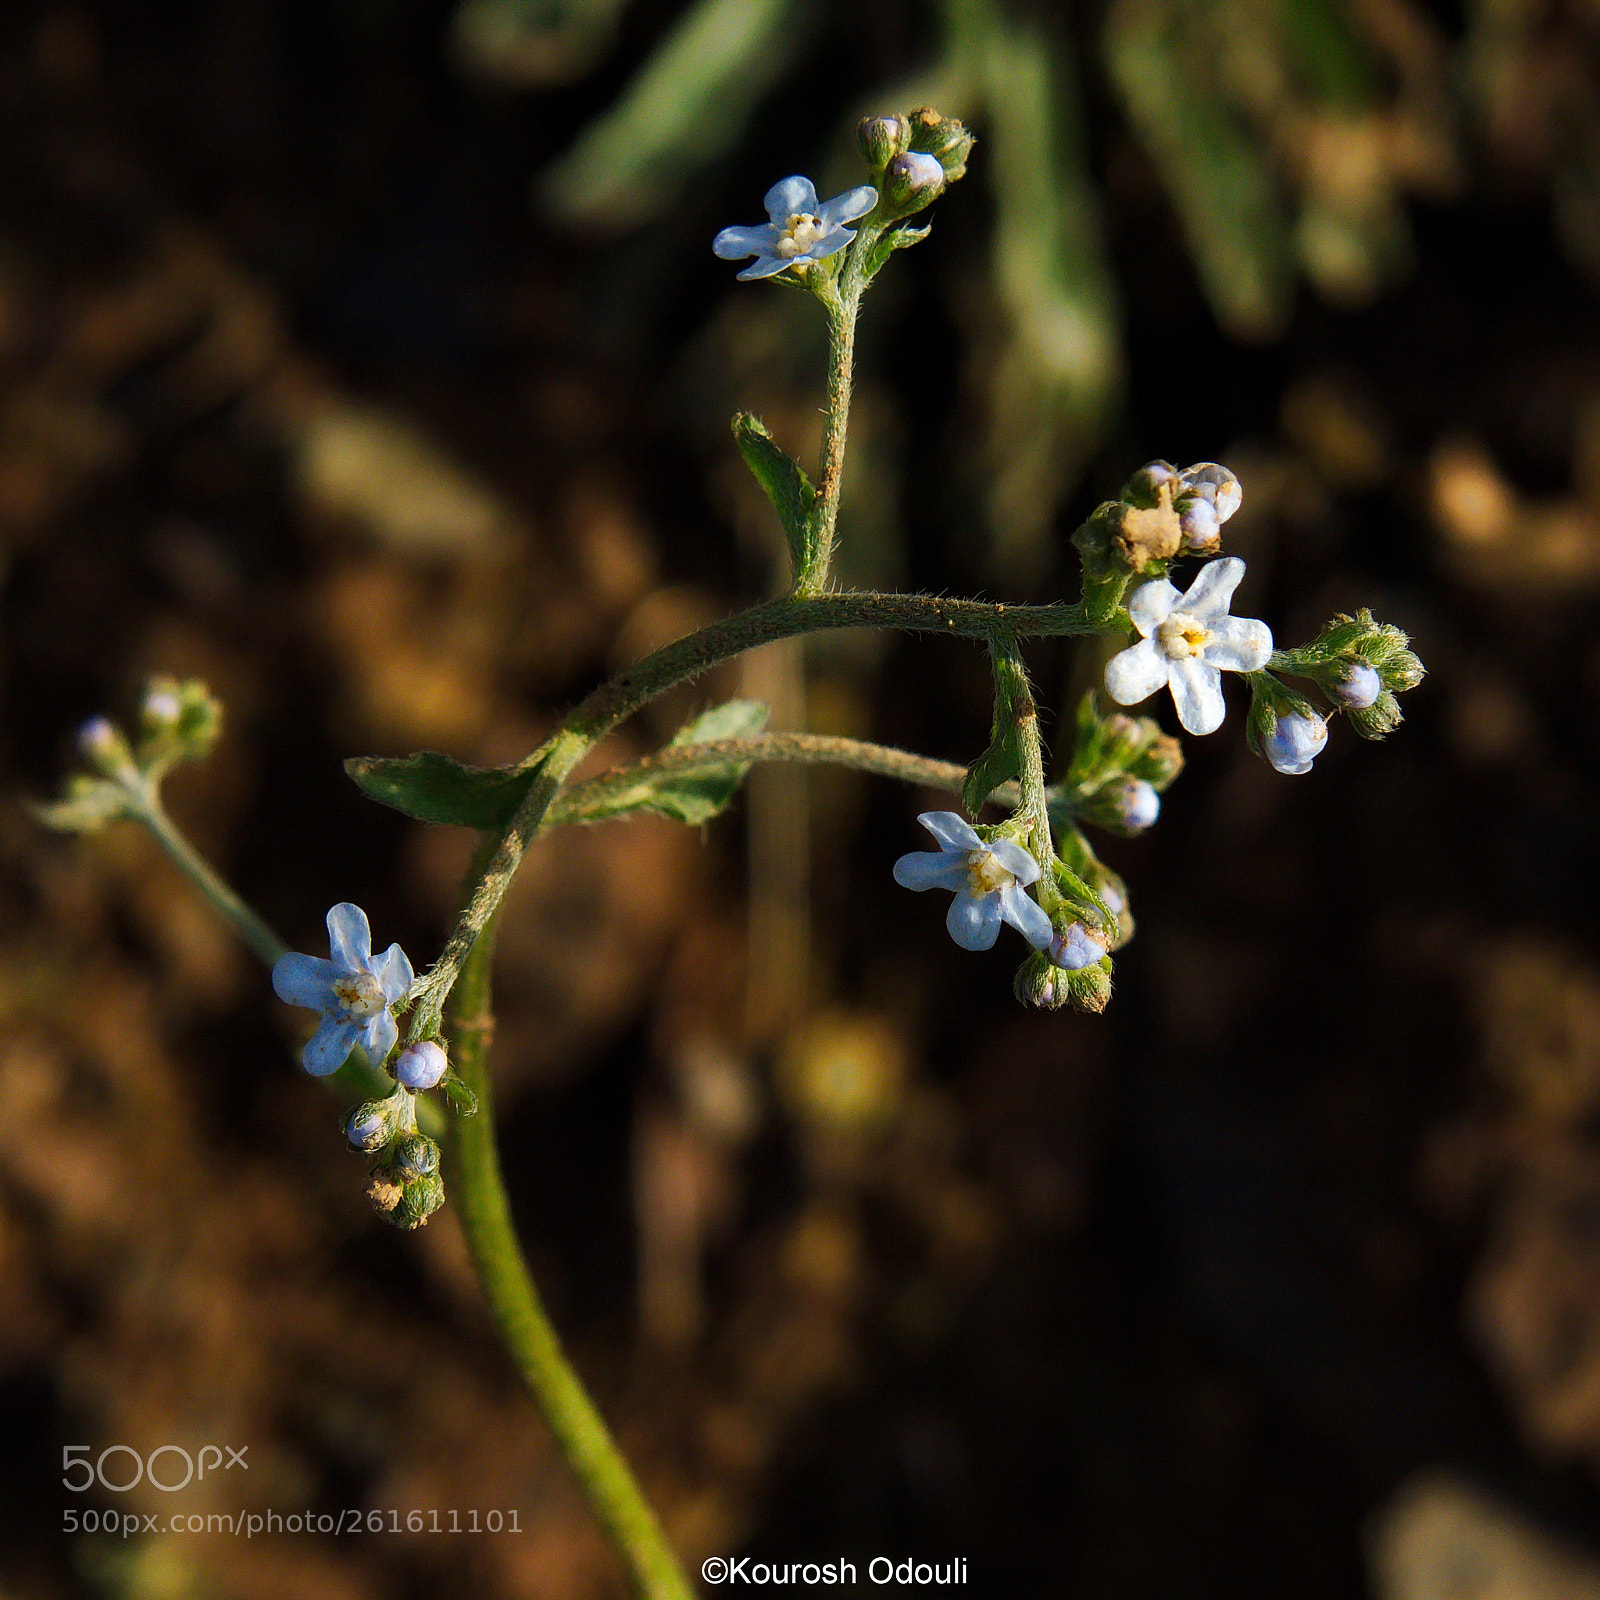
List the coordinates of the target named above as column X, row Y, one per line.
column 803, row 232
column 985, row 874
column 358, row 995
column 1181, row 635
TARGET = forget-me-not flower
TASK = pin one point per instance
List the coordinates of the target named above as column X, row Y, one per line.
column 1189, row 642
column 800, row 230
column 353, row 992
column 988, row 879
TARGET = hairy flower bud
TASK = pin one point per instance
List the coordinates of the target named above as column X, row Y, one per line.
column 882, row 139
column 421, row 1066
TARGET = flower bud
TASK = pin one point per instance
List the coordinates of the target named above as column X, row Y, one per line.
column 421, row 1066
column 418, row 1202
column 1355, row 686
column 1212, row 482
column 1075, row 947
column 1159, row 762
column 882, row 139
column 1201, row 527
column 1294, row 743
column 369, row 1126
column 415, row 1156
column 104, row 748
column 1040, row 984
column 913, row 176
column 943, row 138
column 1144, row 487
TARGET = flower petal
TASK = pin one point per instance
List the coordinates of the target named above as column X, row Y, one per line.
column 305, row 981
column 766, row 267
column 1136, row 673
column 1027, row 916
column 329, row 1047
column 1239, row 644
column 1150, row 605
column 1197, row 693
column 952, row 830
column 350, row 937
column 931, row 869
column 732, row 243
column 831, row 245
column 379, row 1037
column 848, row 206
column 393, row 971
column 790, row 196
column 1015, row 859
column 974, row 924
column 1211, row 593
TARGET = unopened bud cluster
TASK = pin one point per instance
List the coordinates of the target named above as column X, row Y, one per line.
column 405, row 1186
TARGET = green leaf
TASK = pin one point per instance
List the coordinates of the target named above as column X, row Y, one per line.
column 435, row 788
column 693, row 796
column 462, row 1100
column 785, row 485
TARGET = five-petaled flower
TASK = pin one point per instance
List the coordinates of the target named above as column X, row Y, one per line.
column 1189, row 642
column 800, row 231
column 988, row 880
column 353, row 992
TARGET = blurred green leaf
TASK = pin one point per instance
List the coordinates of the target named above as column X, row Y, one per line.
column 687, row 105
column 1058, row 369
column 1217, row 173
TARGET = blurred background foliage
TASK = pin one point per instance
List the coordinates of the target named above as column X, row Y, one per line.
column 368, row 359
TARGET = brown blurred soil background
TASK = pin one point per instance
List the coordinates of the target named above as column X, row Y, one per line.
column 368, row 360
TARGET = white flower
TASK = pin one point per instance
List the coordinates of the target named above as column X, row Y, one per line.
column 1294, row 743
column 988, row 880
column 1189, row 642
column 800, row 230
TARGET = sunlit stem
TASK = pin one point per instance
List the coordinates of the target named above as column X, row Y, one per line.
column 485, row 1212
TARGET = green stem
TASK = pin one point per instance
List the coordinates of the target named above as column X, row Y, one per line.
column 675, row 663
column 1011, row 670
column 485, row 1213
column 591, row 800
column 842, row 341
column 255, row 933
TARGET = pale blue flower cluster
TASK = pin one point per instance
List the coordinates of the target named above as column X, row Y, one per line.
column 987, row 878
column 800, row 231
column 353, row 991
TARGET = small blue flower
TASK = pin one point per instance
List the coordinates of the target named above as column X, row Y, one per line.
column 988, row 880
column 1294, row 743
column 800, row 230
column 353, row 992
